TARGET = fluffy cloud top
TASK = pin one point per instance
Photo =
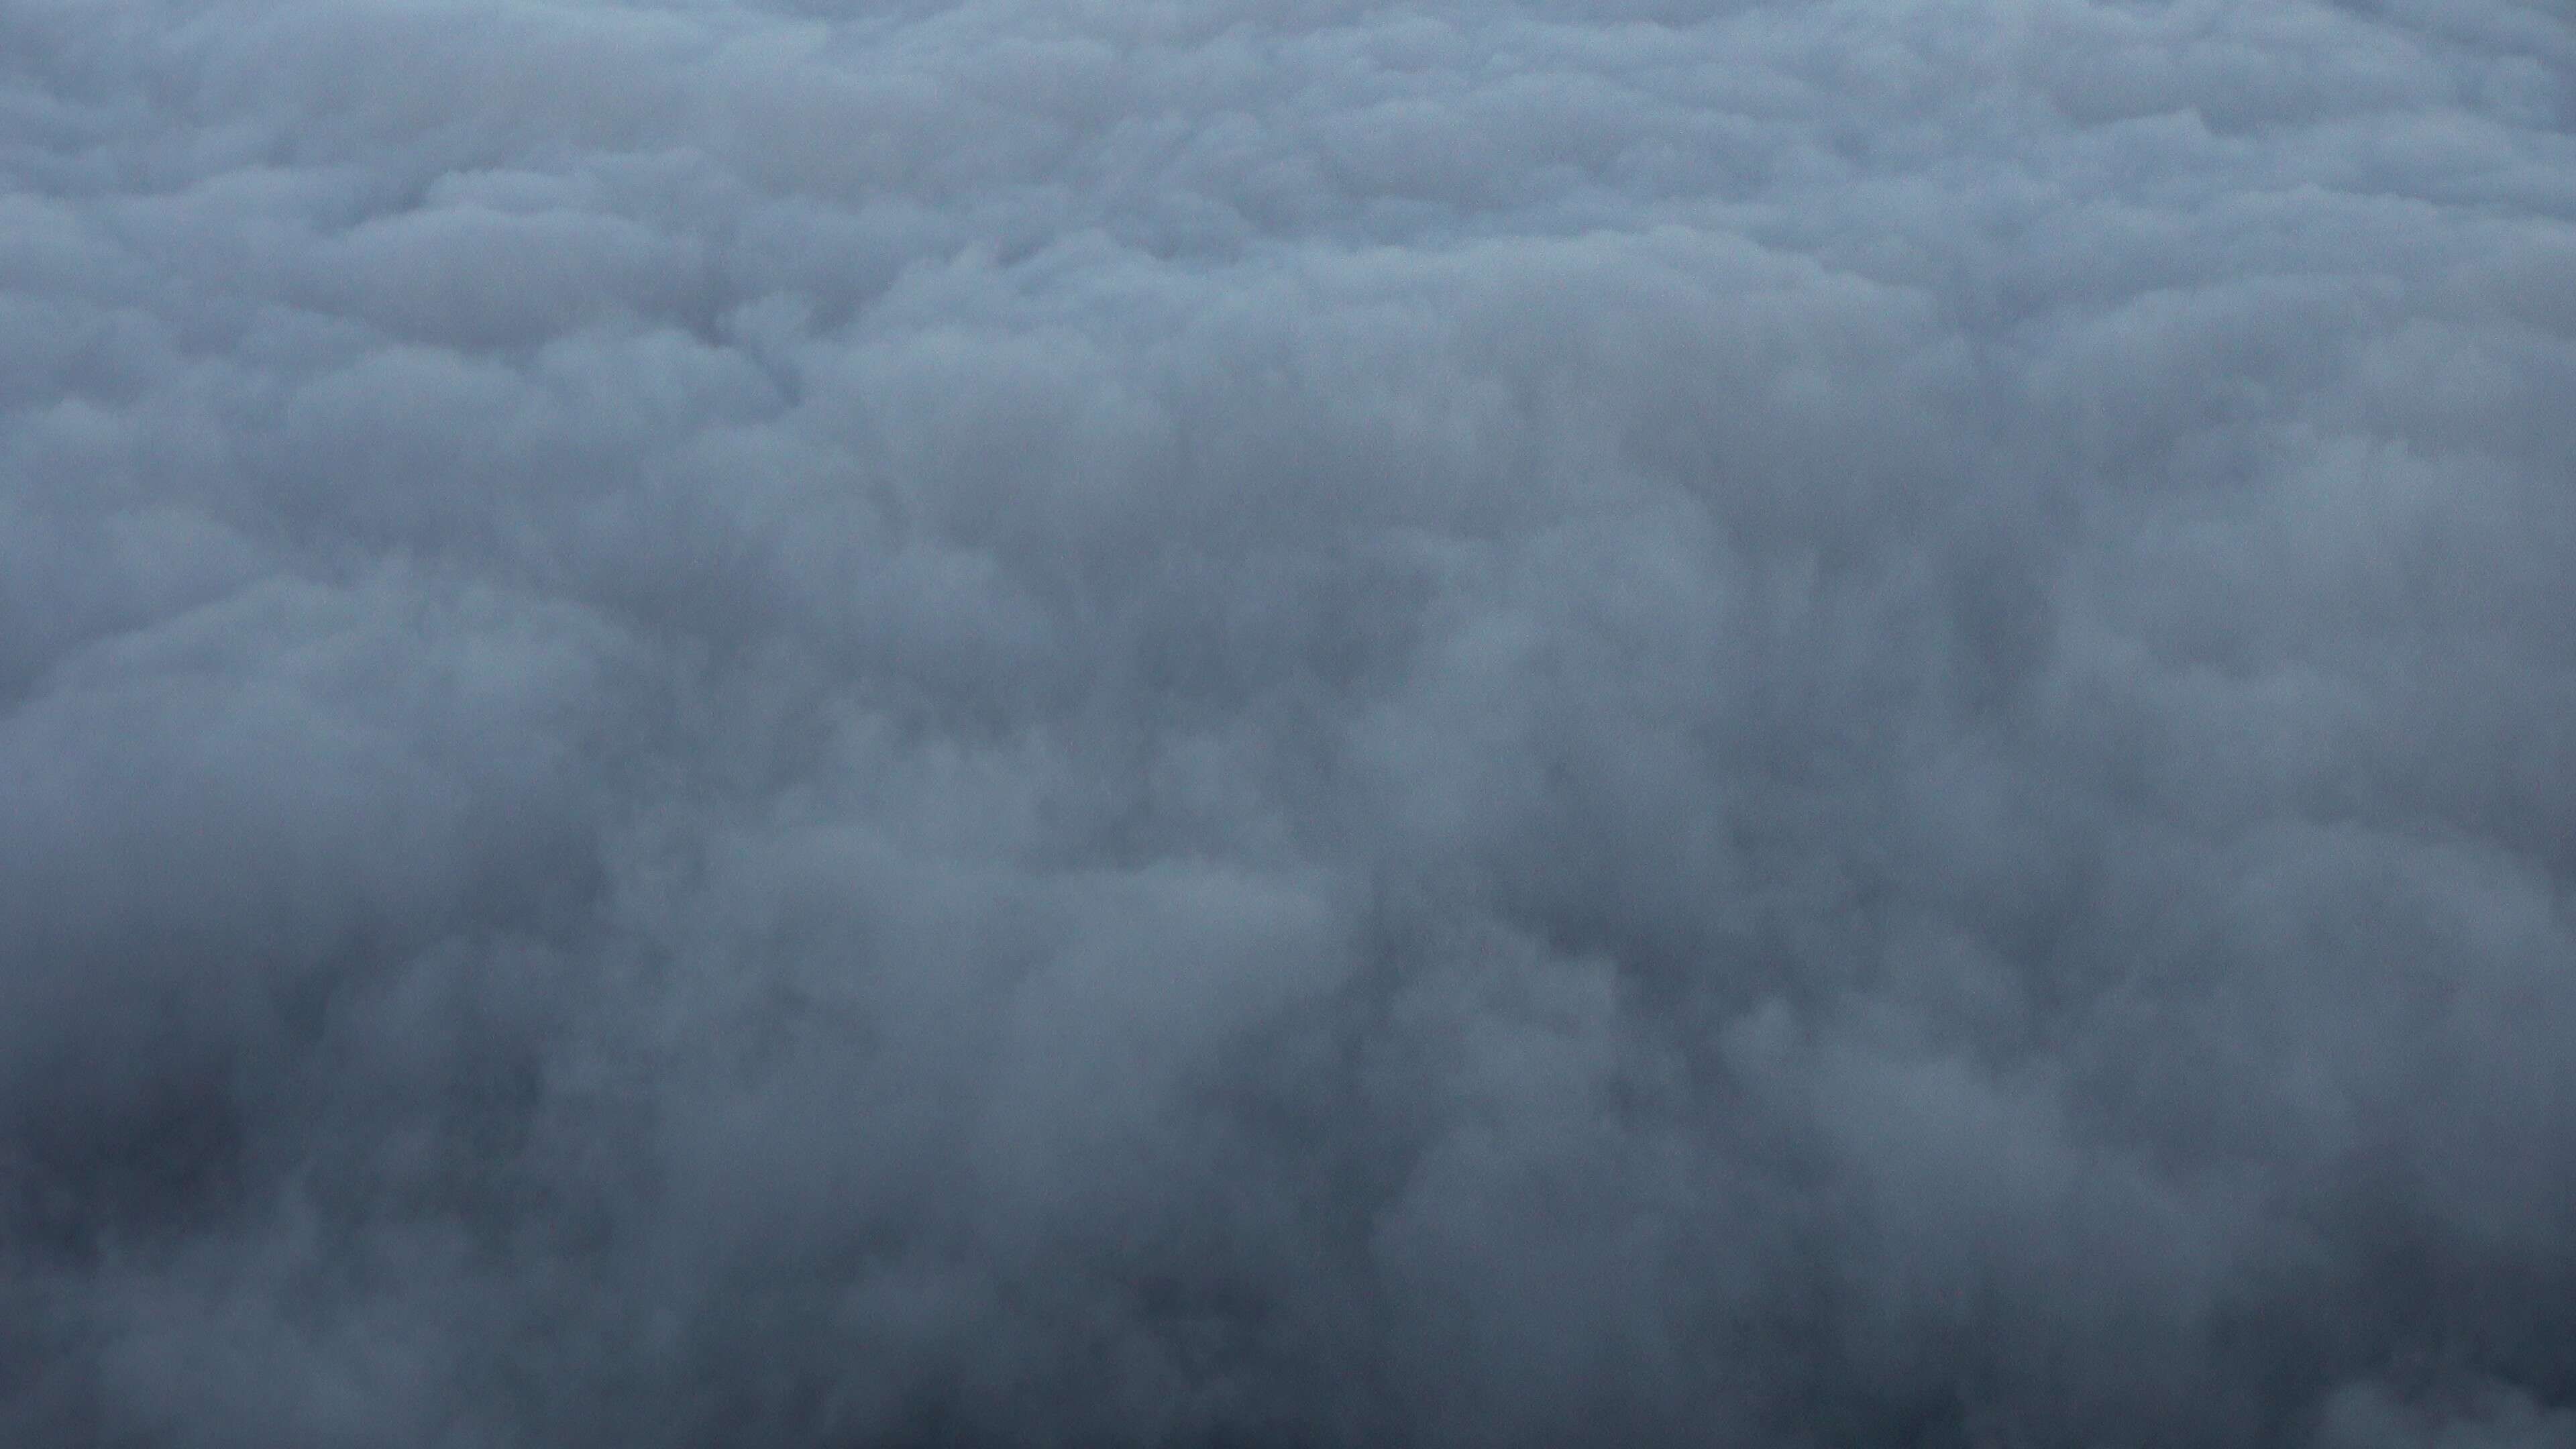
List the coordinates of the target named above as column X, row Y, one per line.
column 1052, row 722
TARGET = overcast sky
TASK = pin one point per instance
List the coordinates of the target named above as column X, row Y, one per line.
column 1263, row 723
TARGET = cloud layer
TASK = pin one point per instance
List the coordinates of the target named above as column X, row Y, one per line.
column 1049, row 722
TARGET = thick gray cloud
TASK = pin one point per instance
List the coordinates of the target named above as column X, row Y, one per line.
column 1050, row 722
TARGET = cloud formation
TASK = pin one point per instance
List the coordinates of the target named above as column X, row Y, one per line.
column 1042, row 722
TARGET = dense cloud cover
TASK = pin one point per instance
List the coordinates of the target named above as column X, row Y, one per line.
column 1288, row 722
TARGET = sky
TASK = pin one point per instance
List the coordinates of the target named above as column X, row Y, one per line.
column 1229, row 724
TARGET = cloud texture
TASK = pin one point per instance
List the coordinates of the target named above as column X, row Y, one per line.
column 1051, row 722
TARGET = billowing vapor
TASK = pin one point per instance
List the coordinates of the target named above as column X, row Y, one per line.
column 1100, row 723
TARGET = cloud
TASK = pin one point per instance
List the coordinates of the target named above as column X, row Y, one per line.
column 1035, row 722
